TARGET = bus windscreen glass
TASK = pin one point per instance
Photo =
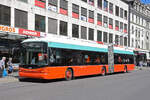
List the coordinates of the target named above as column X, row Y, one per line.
column 34, row 53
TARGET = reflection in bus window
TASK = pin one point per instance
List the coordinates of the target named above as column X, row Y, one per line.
column 97, row 60
column 119, row 60
column 87, row 59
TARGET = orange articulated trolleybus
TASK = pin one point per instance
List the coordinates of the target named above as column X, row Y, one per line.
column 53, row 58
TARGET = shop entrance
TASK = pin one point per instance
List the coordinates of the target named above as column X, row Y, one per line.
column 10, row 48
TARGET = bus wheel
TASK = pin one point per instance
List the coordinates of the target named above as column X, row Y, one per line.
column 69, row 74
column 22, row 79
column 103, row 72
column 125, row 69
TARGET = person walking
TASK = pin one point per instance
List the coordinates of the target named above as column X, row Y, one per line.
column 10, row 67
column 2, row 66
column 141, row 65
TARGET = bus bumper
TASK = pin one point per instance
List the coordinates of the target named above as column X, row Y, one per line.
column 33, row 75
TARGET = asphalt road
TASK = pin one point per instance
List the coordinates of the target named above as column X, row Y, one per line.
column 129, row 86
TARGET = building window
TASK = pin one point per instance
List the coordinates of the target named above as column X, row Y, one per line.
column 110, row 23
column 125, row 28
column 121, row 40
column 40, row 3
column 125, row 15
column 136, row 19
column 136, row 44
column 91, row 34
column 110, row 38
column 99, row 35
column 132, row 17
column 136, row 30
column 105, row 37
column 139, row 32
column 75, row 11
column 83, row 14
column 53, row 2
column 91, row 2
column 125, row 41
column 5, row 14
column 132, row 42
column 52, row 26
column 91, row 16
column 117, row 10
column 39, row 23
column 132, row 30
column 84, row 0
column 75, row 30
column 99, row 4
column 116, row 39
column 143, row 44
column 105, row 5
column 63, row 28
column 105, row 20
column 111, row 8
column 23, row 0
column 64, row 7
column 116, row 25
column 121, row 26
column 121, row 12
column 99, row 19
column 83, row 32
column 21, row 19
column 52, row 5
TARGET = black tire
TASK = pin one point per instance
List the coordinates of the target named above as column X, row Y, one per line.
column 69, row 74
column 103, row 71
column 22, row 79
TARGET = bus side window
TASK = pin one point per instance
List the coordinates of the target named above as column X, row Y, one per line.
column 59, row 56
column 116, row 58
column 103, row 59
column 79, row 57
column 55, row 56
column 51, row 55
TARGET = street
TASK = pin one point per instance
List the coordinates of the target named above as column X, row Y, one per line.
column 134, row 85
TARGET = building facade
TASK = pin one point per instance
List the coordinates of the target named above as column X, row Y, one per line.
column 105, row 21
column 140, row 29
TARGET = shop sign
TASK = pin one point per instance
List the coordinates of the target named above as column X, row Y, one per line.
column 52, row 8
column 29, row 32
column 40, row 3
column 83, row 18
column 42, row 34
column 7, row 29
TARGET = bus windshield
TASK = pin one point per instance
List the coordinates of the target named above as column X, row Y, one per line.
column 34, row 53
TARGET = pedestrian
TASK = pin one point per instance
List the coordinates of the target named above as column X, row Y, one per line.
column 2, row 66
column 148, row 63
column 141, row 64
column 10, row 67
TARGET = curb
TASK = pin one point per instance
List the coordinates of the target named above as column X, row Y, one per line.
column 141, row 68
column 8, row 79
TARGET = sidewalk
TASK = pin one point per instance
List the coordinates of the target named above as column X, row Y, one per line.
column 10, row 78
column 143, row 68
